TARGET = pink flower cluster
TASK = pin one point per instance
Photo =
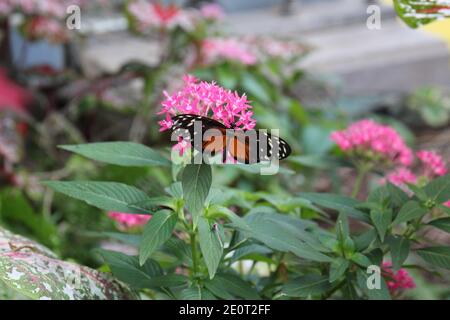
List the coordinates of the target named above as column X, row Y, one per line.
column 212, row 11
column 206, row 99
column 219, row 49
column 398, row 281
column 45, row 28
column 401, row 176
column 248, row 50
column 149, row 15
column 48, row 8
column 44, row 19
column 374, row 141
column 447, row 204
column 126, row 220
column 434, row 165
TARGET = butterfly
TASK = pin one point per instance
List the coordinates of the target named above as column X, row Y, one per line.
column 245, row 146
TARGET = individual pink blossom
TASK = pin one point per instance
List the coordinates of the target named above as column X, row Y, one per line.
column 214, row 50
column 128, row 220
column 399, row 281
column 212, row 11
column 434, row 164
column 447, row 204
column 12, row 96
column 373, row 141
column 149, row 15
column 401, row 176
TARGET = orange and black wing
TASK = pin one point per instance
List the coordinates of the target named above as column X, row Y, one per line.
column 212, row 133
column 256, row 146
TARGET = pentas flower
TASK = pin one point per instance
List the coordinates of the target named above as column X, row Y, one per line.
column 212, row 11
column 48, row 8
column 214, row 50
column 45, row 28
column 373, row 142
column 210, row 100
column 150, row 15
column 401, row 176
column 399, row 281
column 127, row 221
column 273, row 48
column 433, row 163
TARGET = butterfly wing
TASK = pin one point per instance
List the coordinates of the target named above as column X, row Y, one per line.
column 214, row 139
column 249, row 147
column 257, row 146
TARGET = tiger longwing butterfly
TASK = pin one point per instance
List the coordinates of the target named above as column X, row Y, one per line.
column 245, row 146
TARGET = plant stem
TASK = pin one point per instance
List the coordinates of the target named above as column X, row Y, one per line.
column 362, row 171
column 193, row 237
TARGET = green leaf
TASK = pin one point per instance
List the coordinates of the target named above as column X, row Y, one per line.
column 363, row 240
column 17, row 212
column 227, row 77
column 410, row 211
column 236, row 286
column 316, row 161
column 157, row 231
column 398, row 196
column 381, row 220
column 381, row 293
column 376, row 256
column 438, row 190
column 418, row 13
column 361, row 259
column 282, row 235
column 219, row 289
column 196, row 182
column 133, row 239
column 337, row 202
column 309, row 285
column 443, row 224
column 338, row 268
column 255, row 88
column 399, row 250
column 180, row 249
column 196, row 293
column 437, row 256
column 127, row 268
column 110, row 196
column 210, row 245
column 119, row 153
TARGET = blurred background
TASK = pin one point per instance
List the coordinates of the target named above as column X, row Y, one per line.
column 309, row 68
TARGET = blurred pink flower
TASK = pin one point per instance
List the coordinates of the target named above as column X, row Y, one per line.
column 401, row 176
column 212, row 11
column 374, row 141
column 12, row 96
column 150, row 15
column 129, row 220
column 46, row 28
column 434, row 164
column 447, row 204
column 214, row 50
column 398, row 281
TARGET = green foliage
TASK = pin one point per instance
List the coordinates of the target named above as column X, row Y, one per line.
column 418, row 13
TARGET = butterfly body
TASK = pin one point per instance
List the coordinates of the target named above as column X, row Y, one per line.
column 245, row 146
